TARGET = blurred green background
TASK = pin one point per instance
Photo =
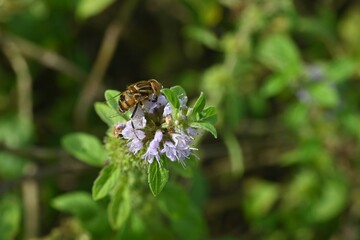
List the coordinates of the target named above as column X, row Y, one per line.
column 283, row 74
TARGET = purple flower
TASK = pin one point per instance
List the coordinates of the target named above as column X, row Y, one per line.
column 315, row 72
column 183, row 101
column 167, row 110
column 135, row 145
column 179, row 148
column 192, row 131
column 133, row 133
column 170, row 150
column 133, row 130
column 150, row 106
column 153, row 149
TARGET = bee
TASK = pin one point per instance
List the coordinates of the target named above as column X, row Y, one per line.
column 138, row 92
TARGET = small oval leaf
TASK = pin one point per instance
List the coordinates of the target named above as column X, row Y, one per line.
column 157, row 176
column 199, row 104
column 205, row 126
column 120, row 207
column 106, row 181
column 85, row 147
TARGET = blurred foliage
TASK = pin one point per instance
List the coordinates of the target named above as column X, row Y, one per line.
column 283, row 75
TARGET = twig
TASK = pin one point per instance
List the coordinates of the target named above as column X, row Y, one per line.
column 106, row 52
column 46, row 57
column 30, row 192
column 24, row 81
column 30, row 189
column 38, row 154
column 39, row 173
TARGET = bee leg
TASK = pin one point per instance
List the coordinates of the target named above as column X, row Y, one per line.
column 132, row 124
column 131, row 117
column 154, row 98
column 133, row 113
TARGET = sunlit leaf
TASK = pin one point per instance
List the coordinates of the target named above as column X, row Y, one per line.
column 171, row 97
column 89, row 8
column 178, row 91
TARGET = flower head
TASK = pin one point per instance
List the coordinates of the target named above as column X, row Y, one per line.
column 154, row 131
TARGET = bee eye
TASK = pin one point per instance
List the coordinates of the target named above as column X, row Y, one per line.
column 122, row 97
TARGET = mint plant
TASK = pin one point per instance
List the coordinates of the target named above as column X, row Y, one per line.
column 146, row 148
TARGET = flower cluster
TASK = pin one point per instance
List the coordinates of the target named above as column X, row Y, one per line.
column 153, row 128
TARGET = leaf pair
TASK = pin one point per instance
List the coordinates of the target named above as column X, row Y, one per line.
column 200, row 117
column 204, row 117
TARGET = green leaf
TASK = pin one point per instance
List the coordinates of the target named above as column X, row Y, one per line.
column 279, row 53
column 202, row 35
column 340, row 70
column 10, row 220
column 80, row 204
column 185, row 217
column 112, row 99
column 119, row 208
column 259, row 198
column 297, row 115
column 178, row 91
column 209, row 114
column 89, row 8
column 85, row 147
column 324, row 94
column 205, row 126
column 106, row 181
column 187, row 170
column 332, row 201
column 108, row 115
column 171, row 97
column 15, row 131
column 274, row 85
column 199, row 104
column 235, row 152
column 157, row 176
column 12, row 166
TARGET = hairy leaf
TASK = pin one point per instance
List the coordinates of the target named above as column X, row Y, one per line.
column 85, row 147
